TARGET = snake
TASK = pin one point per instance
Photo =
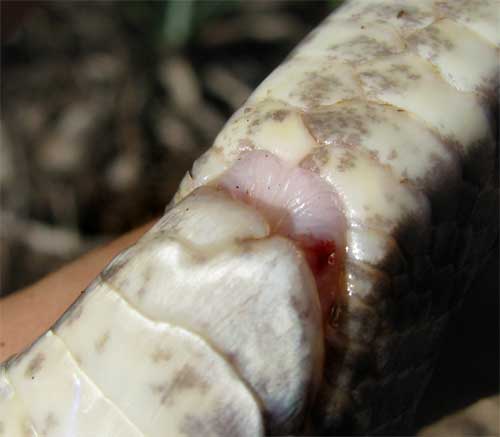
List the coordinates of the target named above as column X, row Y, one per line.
column 302, row 277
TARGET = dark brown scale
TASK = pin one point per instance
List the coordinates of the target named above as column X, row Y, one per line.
column 384, row 346
column 386, row 380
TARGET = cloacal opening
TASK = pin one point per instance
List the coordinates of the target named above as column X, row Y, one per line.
column 300, row 205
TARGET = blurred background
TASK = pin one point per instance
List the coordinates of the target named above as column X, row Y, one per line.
column 104, row 106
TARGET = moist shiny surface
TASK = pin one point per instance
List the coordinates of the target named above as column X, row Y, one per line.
column 392, row 103
column 298, row 205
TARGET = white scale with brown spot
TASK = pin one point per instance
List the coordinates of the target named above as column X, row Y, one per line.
column 296, row 283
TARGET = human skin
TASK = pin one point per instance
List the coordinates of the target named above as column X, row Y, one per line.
column 29, row 312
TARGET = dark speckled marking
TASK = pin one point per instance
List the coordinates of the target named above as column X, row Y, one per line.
column 463, row 8
column 224, row 420
column 322, row 155
column 308, row 163
column 361, row 49
column 279, row 115
column 410, row 16
column 347, row 124
column 101, row 342
column 35, row 365
column 405, row 71
column 323, row 124
column 378, row 221
column 347, row 161
column 185, row 379
column 433, row 38
column 314, row 87
column 396, row 78
column 373, row 154
column 381, row 81
column 161, row 355
column 253, row 124
column 314, row 161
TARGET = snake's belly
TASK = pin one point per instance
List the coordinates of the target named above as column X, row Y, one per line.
column 303, row 276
